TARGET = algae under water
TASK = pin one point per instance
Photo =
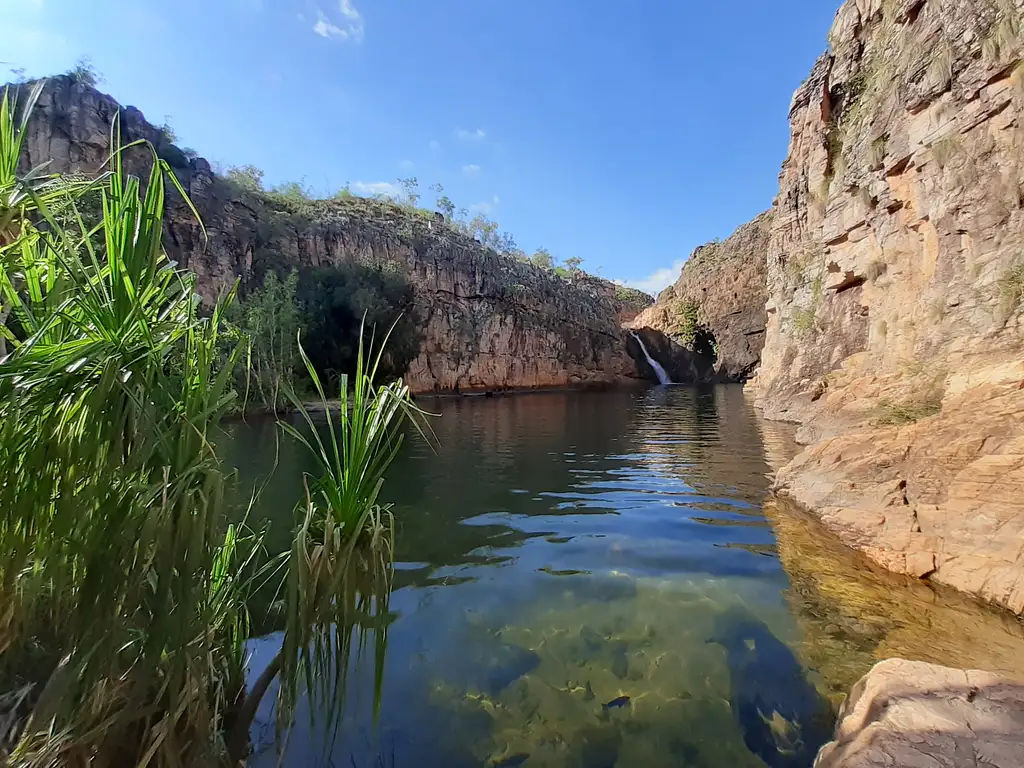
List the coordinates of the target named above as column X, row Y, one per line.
column 599, row 579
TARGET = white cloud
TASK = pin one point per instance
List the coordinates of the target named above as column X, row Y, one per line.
column 406, row 165
column 463, row 135
column 372, row 188
column 471, row 170
column 658, row 280
column 486, row 207
column 349, row 26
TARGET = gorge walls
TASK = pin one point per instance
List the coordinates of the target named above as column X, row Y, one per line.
column 717, row 306
column 895, row 282
column 488, row 320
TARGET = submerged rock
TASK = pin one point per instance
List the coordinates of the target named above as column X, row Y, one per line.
column 504, row 665
column 783, row 718
column 916, row 715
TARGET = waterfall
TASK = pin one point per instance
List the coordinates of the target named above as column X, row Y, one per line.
column 663, row 378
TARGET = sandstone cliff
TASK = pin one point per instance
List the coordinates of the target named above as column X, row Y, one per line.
column 896, row 290
column 716, row 307
column 488, row 320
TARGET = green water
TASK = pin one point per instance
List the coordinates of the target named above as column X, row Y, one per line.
column 595, row 580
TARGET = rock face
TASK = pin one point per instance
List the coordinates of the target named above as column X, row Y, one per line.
column 896, row 289
column 717, row 306
column 917, row 715
column 683, row 366
column 488, row 320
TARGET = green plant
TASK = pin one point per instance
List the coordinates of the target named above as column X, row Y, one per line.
column 291, row 191
column 1011, row 287
column 85, row 73
column 124, row 587
column 876, row 153
column 687, row 321
column 335, row 302
column 340, row 569
column 271, row 319
column 167, row 131
column 945, row 149
column 410, row 187
column 910, row 410
column 542, row 258
column 248, row 177
column 121, row 580
column 804, row 320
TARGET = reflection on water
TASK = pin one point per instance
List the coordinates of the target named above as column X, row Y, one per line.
column 592, row 580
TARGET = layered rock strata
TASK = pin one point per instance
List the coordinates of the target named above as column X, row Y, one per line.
column 489, row 321
column 717, row 306
column 896, row 291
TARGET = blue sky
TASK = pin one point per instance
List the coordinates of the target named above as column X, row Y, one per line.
column 623, row 133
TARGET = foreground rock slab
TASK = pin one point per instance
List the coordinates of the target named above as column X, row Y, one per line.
column 916, row 715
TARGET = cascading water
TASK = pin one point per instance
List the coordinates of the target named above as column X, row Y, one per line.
column 663, row 378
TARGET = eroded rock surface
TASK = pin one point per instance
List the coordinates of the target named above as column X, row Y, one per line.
column 896, row 289
column 718, row 303
column 488, row 321
column 916, row 715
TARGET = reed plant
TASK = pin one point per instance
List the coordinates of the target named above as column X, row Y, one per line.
column 125, row 578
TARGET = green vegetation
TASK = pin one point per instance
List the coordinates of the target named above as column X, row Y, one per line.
column 247, row 177
column 271, row 318
column 876, row 154
column 542, row 258
column 1011, row 287
column 631, row 297
column 124, row 584
column 327, row 308
column 85, row 73
column 687, row 316
column 946, row 148
column 910, row 410
column 336, row 302
column 804, row 320
column 1003, row 39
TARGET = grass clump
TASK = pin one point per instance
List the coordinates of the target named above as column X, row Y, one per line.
column 804, row 320
column 908, row 411
column 1011, row 287
column 945, row 149
column 876, row 153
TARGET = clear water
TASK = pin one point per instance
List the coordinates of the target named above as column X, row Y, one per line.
column 597, row 580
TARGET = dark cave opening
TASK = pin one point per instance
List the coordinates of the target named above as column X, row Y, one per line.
column 705, row 345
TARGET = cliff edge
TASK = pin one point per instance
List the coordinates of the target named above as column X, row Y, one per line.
column 487, row 320
column 896, row 291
